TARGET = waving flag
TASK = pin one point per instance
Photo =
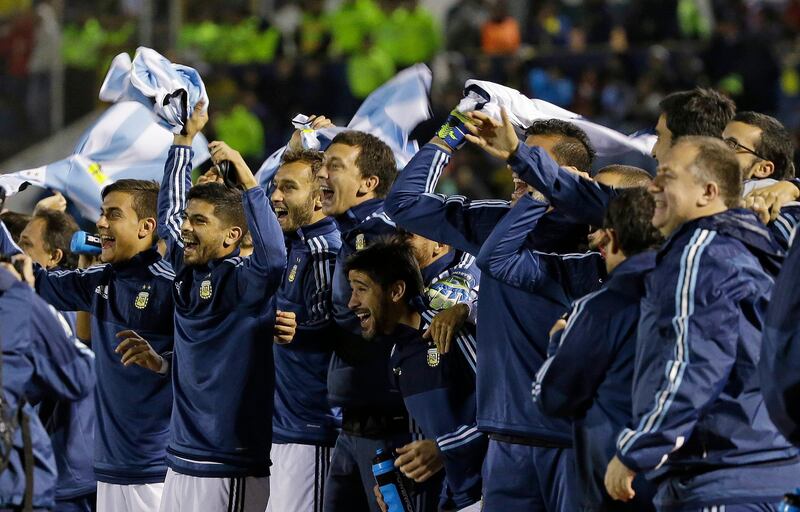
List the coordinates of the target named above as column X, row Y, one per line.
column 171, row 90
column 522, row 111
column 125, row 142
column 390, row 113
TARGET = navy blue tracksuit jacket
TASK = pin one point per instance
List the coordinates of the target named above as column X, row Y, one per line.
column 302, row 414
column 699, row 422
column 589, row 378
column 439, row 393
column 40, row 361
column 513, row 319
column 779, row 366
column 222, row 366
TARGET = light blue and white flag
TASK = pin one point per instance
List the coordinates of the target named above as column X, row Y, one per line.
column 522, row 111
column 390, row 113
column 125, row 142
column 170, row 90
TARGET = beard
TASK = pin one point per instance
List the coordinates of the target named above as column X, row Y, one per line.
column 299, row 216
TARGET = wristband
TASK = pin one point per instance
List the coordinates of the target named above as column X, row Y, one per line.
column 453, row 130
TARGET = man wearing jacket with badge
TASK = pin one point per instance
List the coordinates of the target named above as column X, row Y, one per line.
column 700, row 428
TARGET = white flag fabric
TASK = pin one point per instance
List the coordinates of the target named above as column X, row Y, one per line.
column 170, row 90
column 125, row 142
column 522, row 111
column 390, row 113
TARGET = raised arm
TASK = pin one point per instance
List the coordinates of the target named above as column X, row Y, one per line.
column 176, row 184
column 259, row 274
column 454, row 220
column 504, row 255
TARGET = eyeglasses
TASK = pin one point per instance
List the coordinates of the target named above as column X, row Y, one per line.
column 736, row 146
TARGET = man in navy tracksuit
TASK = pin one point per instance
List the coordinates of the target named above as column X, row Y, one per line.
column 222, row 371
column 131, row 290
column 70, row 424
column 778, row 366
column 438, row 389
column 304, row 426
column 40, row 361
column 700, row 428
column 512, row 321
column 356, row 174
column 589, row 374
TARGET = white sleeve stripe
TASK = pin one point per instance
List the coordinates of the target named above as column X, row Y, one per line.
column 177, row 195
column 684, row 308
column 435, row 170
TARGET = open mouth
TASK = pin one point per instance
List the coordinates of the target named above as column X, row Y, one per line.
column 107, row 241
column 327, row 193
column 363, row 317
column 281, row 212
column 520, row 188
column 189, row 244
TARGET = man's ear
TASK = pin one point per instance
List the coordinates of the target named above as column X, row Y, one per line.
column 233, row 236
column 147, row 227
column 613, row 241
column 56, row 257
column 397, row 291
column 763, row 169
column 710, row 193
column 368, row 184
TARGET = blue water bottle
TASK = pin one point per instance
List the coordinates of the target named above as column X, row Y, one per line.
column 390, row 481
column 791, row 502
column 84, row 243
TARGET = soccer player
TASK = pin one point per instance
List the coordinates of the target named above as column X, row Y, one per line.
column 357, row 172
column 512, row 321
column 304, row 426
column 590, row 376
column 40, row 361
column 222, row 366
column 438, row 389
column 132, row 289
column 699, row 425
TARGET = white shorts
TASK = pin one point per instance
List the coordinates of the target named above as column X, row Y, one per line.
column 128, row 498
column 184, row 493
column 297, row 477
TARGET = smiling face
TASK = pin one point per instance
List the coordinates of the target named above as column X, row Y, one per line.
column 205, row 236
column 370, row 303
column 123, row 234
column 341, row 182
column 678, row 193
column 297, row 200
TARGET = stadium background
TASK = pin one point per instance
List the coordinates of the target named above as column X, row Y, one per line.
column 265, row 60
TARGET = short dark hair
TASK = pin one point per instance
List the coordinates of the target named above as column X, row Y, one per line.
column 630, row 214
column 57, row 234
column 775, row 143
column 629, row 176
column 716, row 161
column 311, row 157
column 387, row 261
column 143, row 192
column 15, row 223
column 227, row 203
column 698, row 111
column 573, row 150
column 375, row 158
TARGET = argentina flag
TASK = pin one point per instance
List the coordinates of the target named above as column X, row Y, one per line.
column 522, row 111
column 125, row 142
column 390, row 113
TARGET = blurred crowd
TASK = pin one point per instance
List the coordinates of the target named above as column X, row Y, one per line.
column 265, row 61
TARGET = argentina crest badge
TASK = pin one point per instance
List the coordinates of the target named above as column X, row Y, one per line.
column 433, row 356
column 142, row 299
column 361, row 243
column 205, row 289
column 293, row 274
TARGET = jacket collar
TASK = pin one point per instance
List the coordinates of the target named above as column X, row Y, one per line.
column 318, row 228
column 628, row 277
column 358, row 214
